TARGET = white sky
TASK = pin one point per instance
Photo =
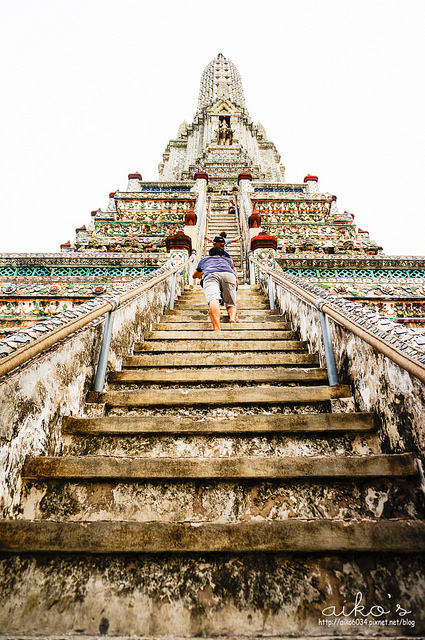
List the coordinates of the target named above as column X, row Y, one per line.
column 92, row 90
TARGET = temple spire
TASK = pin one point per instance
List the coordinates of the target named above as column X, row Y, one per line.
column 220, row 79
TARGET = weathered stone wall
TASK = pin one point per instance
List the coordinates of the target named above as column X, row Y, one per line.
column 253, row 596
column 378, row 384
column 34, row 401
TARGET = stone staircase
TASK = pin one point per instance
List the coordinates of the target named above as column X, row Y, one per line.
column 221, row 220
column 220, row 487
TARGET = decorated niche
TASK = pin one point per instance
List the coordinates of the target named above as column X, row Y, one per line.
column 281, row 211
column 150, row 210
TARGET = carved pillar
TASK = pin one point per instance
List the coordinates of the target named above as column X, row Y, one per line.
column 200, row 188
column 245, row 208
column 134, row 182
column 312, row 185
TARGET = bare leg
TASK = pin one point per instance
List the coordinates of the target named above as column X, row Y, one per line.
column 214, row 308
column 232, row 311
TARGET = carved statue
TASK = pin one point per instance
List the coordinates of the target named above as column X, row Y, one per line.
column 225, row 134
column 229, row 136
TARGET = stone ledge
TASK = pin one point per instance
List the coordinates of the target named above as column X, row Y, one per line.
column 241, row 468
column 258, row 424
column 293, row 536
column 212, row 396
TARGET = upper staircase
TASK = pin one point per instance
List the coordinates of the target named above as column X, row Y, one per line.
column 217, row 486
column 221, row 219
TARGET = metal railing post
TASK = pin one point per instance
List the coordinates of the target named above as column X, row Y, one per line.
column 192, row 265
column 327, row 343
column 251, row 270
column 271, row 291
column 173, row 291
column 99, row 381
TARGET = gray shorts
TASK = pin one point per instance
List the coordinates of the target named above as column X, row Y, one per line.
column 221, row 286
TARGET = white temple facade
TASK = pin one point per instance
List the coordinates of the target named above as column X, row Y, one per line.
column 222, row 139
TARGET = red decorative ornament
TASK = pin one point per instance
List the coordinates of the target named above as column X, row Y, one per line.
column 263, row 241
column 190, row 218
column 244, row 176
column 179, row 241
column 201, row 175
column 99, row 289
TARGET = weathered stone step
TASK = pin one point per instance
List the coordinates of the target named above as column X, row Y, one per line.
column 222, row 216
column 247, row 468
column 198, row 296
column 220, row 359
column 202, row 312
column 220, row 500
column 242, row 319
column 243, row 424
column 237, row 334
column 275, row 374
column 221, row 222
column 209, row 396
column 210, row 595
column 173, row 325
column 242, row 301
column 284, row 536
column 241, row 304
column 228, row 445
column 221, row 343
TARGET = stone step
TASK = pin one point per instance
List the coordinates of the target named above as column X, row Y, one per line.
column 226, row 446
column 231, row 231
column 242, row 320
column 242, row 313
column 220, row 223
column 242, row 424
column 174, row 325
column 184, row 376
column 237, row 334
column 197, row 291
column 219, row 500
column 220, row 359
column 241, row 304
column 220, row 343
column 87, row 594
column 294, row 535
column 220, row 397
column 219, row 215
column 199, row 298
column 248, row 468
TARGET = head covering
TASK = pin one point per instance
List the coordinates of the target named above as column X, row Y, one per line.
column 218, row 239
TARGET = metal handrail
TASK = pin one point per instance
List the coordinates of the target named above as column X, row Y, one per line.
column 26, row 353
column 404, row 361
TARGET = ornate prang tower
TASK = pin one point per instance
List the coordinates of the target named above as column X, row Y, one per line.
column 221, row 140
column 220, row 158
